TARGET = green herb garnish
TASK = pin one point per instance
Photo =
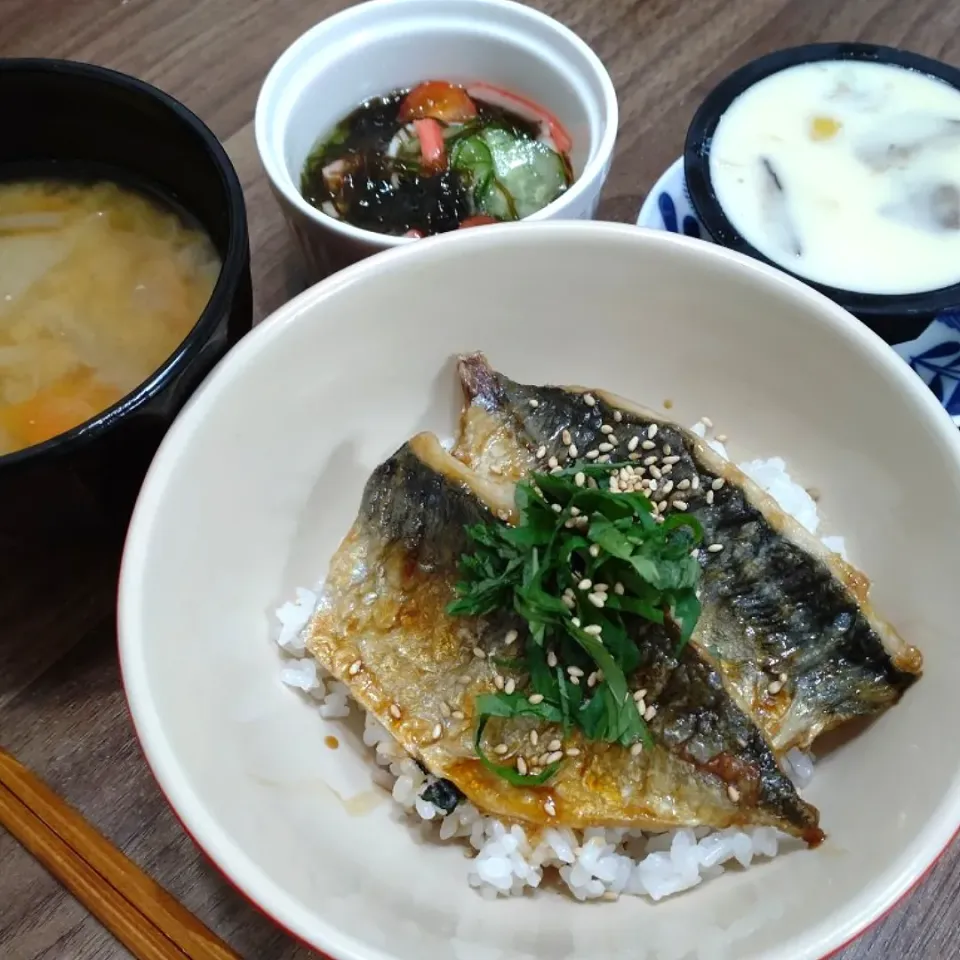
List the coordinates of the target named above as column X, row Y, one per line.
column 535, row 570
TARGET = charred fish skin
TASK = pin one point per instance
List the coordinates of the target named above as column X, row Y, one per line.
column 698, row 722
column 407, row 503
column 384, row 631
column 797, row 650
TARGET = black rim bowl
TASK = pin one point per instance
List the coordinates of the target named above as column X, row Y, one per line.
column 895, row 317
column 78, row 120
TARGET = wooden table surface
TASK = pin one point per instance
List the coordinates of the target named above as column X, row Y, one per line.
column 62, row 709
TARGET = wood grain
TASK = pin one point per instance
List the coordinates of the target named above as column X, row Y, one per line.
column 61, row 706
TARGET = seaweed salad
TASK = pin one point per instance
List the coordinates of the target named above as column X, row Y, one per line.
column 439, row 157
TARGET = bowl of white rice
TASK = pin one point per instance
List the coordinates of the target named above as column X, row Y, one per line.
column 308, row 804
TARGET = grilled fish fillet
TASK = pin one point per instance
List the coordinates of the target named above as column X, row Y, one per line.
column 786, row 622
column 383, row 629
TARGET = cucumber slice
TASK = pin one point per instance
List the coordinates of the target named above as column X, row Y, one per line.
column 530, row 172
column 471, row 155
column 494, row 200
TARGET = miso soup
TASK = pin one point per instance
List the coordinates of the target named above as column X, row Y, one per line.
column 99, row 284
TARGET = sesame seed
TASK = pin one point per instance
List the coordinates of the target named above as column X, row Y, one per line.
column 650, row 461
column 707, row 422
column 574, row 672
column 553, row 463
column 618, row 589
column 655, row 472
column 650, row 713
column 556, row 508
column 695, row 483
column 554, row 745
column 680, row 505
column 640, row 694
column 641, row 706
column 498, row 682
column 457, row 714
column 584, row 584
column 783, row 678
column 554, row 757
column 652, row 431
column 568, row 602
column 715, row 548
column 709, row 496
column 667, row 468
column 580, row 479
column 534, row 403
column 479, row 654
column 574, row 511
column 437, row 731
column 572, row 451
column 733, row 793
column 589, row 400
column 500, row 749
column 594, row 550
column 575, row 621
column 633, row 443
column 593, row 454
column 683, row 485
column 667, row 487
column 606, row 428
column 566, row 438
column 444, row 709
column 671, row 460
column 556, row 471
column 521, row 766
column 605, row 447
column 617, row 415
column 394, row 711
column 575, row 681
column 603, row 458
column 541, row 452
column 355, row 667
column 592, row 679
column 601, row 587
column 775, row 687
column 636, row 749
column 548, row 805
column 510, row 637
column 594, row 629
column 551, row 659
column 510, row 686
column 667, row 449
column 722, row 438
column 648, row 445
column 535, row 698
column 534, row 737
column 612, row 438
column 718, row 483
column 573, row 752
column 597, row 599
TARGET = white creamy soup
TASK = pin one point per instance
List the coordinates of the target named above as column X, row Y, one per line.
column 846, row 173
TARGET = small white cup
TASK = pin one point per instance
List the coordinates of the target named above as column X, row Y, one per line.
column 385, row 45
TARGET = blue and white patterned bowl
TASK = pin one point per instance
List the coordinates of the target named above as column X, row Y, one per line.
column 934, row 355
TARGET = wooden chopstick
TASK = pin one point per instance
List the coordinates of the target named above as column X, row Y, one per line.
column 149, row 922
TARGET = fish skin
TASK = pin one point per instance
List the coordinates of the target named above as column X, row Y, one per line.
column 385, row 605
column 776, row 602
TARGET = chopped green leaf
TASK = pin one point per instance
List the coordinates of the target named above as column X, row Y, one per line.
column 527, row 568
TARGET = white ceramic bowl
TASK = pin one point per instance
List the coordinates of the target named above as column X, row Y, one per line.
column 261, row 476
column 384, row 45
